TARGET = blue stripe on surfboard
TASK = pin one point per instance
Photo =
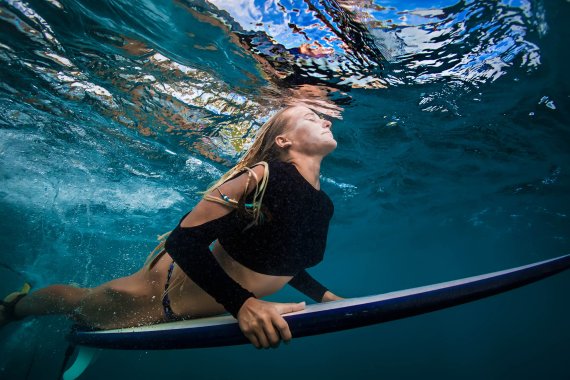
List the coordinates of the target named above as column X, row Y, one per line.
column 327, row 317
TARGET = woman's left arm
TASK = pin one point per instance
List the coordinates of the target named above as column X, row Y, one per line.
column 329, row 296
column 306, row 284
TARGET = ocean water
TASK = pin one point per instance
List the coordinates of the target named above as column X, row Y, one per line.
column 453, row 124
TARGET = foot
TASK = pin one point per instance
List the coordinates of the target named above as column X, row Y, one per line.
column 8, row 305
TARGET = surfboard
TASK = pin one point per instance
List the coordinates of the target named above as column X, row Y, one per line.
column 315, row 319
column 325, row 317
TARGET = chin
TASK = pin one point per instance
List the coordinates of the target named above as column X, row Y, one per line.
column 330, row 147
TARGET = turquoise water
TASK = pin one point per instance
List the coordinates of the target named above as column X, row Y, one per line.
column 453, row 160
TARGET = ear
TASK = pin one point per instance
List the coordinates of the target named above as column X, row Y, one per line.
column 283, row 142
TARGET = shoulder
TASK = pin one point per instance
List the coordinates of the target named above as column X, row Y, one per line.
column 259, row 170
column 250, row 177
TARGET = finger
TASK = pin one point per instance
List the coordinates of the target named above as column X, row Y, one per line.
column 283, row 329
column 272, row 336
column 262, row 339
column 283, row 308
column 253, row 339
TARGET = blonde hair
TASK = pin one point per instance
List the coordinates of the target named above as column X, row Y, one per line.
column 262, row 150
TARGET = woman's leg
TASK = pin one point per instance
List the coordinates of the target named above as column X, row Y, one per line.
column 54, row 299
column 124, row 302
column 127, row 301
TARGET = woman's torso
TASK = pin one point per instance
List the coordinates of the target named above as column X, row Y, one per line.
column 264, row 258
column 293, row 232
column 190, row 301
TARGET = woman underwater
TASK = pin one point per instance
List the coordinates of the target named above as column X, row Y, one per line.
column 268, row 220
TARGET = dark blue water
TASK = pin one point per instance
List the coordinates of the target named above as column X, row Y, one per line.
column 454, row 160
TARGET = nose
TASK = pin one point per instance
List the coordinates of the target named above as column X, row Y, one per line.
column 327, row 124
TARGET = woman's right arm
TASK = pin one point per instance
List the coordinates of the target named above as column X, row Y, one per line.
column 188, row 244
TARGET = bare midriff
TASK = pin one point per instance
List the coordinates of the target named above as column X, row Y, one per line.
column 260, row 284
column 191, row 301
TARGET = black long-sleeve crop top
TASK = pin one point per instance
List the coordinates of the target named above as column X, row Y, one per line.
column 291, row 238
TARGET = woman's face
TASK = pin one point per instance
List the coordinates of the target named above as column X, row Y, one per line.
column 308, row 133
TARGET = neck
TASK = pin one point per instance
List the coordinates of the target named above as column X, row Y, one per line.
column 309, row 167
